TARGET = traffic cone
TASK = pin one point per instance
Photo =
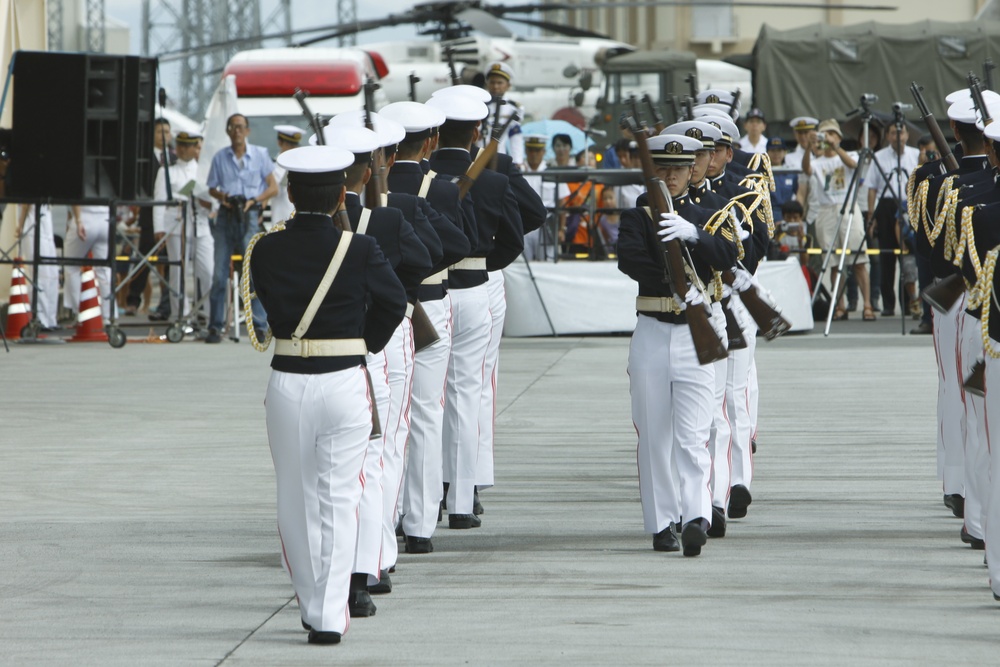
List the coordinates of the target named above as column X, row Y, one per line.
column 89, row 325
column 19, row 310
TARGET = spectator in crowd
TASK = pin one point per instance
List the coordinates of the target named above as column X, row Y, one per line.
column 607, row 220
column 562, row 146
column 786, row 183
column 927, row 148
column 805, row 133
column 754, row 140
column 628, row 156
column 586, row 159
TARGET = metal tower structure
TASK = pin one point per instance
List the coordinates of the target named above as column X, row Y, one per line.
column 170, row 25
column 347, row 12
column 96, row 34
column 55, row 24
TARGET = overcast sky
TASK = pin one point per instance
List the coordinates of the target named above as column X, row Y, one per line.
column 304, row 13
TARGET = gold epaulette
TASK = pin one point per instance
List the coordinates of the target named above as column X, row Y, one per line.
column 944, row 193
column 763, row 161
column 944, row 223
column 967, row 243
column 984, row 297
column 248, row 295
column 910, row 186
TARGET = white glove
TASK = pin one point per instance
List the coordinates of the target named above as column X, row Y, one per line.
column 693, row 297
column 676, row 227
column 743, row 280
column 727, row 291
column 718, row 321
column 744, row 233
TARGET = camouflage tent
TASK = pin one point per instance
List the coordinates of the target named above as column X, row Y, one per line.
column 822, row 70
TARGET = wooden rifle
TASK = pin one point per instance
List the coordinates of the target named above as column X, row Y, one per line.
column 707, row 345
column 976, row 90
column 988, row 68
column 315, row 122
column 736, row 101
column 692, row 81
column 414, row 80
column 941, row 295
column 770, row 322
column 484, row 158
column 654, row 113
column 675, row 108
column 449, row 54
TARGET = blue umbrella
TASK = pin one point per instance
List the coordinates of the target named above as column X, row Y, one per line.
column 550, row 128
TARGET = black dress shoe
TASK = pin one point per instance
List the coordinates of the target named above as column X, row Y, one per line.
column 477, row 507
column 444, row 498
column 383, row 586
column 956, row 503
column 996, row 597
column 753, row 445
column 666, row 540
column 718, row 528
column 399, row 530
column 306, row 626
column 320, row 637
column 360, row 604
column 694, row 536
column 973, row 542
column 739, row 499
column 462, row 521
column 213, row 336
column 922, row 328
column 418, row 545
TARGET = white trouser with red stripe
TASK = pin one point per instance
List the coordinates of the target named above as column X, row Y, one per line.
column 422, row 487
column 721, row 439
column 48, row 275
column 317, row 428
column 488, row 406
column 992, row 401
column 471, row 322
column 396, row 426
column 95, row 226
column 738, row 398
column 950, row 408
column 672, row 399
column 977, row 469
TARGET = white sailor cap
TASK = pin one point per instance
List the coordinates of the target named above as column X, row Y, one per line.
column 316, row 165
column 730, row 134
column 415, row 118
column 187, row 138
column 992, row 131
column 715, row 96
column 459, row 107
column 673, row 149
column 963, row 111
column 498, row 68
column 288, row 133
column 966, row 94
column 536, row 141
column 721, row 109
column 360, row 141
column 389, row 132
column 803, row 123
column 696, row 129
column 475, row 92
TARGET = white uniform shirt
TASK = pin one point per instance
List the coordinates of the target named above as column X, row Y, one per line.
column 793, row 159
column 759, row 147
column 886, row 158
column 281, row 208
column 167, row 219
column 512, row 141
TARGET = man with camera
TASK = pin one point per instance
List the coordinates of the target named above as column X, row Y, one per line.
column 240, row 179
column 893, row 164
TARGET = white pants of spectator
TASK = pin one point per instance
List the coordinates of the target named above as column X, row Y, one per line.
column 977, row 467
column 95, row 225
column 423, row 483
column 738, row 397
column 368, row 553
column 317, row 428
column 47, row 279
column 471, row 323
column 721, row 439
column 200, row 252
column 396, row 426
column 950, row 408
column 993, row 508
column 672, row 398
column 488, row 405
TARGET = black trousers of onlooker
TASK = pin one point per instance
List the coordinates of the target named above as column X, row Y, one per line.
column 885, row 223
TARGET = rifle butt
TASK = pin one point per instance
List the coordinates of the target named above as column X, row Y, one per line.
column 943, row 295
column 424, row 333
column 707, row 345
column 768, row 319
column 733, row 331
column 976, row 382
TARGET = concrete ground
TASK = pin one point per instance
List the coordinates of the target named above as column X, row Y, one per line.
column 137, row 521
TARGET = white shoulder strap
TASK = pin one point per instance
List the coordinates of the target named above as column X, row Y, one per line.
column 366, row 215
column 425, row 186
column 324, row 286
column 432, row 173
column 384, row 198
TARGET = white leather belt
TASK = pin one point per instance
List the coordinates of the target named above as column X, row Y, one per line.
column 409, row 310
column 318, row 347
column 435, row 279
column 470, row 264
column 656, row 304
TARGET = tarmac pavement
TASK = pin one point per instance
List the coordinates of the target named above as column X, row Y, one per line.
column 137, row 521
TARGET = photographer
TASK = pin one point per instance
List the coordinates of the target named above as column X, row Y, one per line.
column 240, row 179
column 896, row 161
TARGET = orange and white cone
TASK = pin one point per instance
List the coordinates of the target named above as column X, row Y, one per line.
column 89, row 325
column 19, row 310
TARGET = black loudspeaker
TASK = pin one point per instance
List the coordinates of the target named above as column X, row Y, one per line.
column 83, row 126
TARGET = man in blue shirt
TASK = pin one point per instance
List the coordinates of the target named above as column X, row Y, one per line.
column 240, row 179
column 786, row 183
